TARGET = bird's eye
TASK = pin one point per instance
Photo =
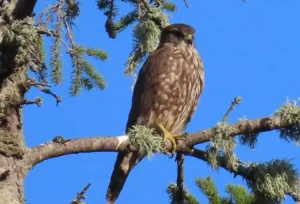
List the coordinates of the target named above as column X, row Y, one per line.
column 176, row 32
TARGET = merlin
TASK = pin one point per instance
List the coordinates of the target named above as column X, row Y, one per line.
column 165, row 95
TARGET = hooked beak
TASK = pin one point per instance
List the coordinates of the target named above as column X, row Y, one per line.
column 189, row 38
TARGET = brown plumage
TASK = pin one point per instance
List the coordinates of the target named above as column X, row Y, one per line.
column 166, row 93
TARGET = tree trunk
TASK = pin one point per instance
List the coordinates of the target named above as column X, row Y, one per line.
column 12, row 145
column 13, row 85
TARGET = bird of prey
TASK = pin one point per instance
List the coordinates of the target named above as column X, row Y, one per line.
column 165, row 95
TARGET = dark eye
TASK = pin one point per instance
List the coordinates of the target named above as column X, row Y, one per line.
column 177, row 33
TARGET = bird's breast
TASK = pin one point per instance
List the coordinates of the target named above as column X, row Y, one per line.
column 177, row 91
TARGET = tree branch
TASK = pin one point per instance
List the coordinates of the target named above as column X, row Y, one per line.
column 81, row 195
column 180, row 178
column 243, row 127
column 49, row 150
column 24, row 8
column 237, row 100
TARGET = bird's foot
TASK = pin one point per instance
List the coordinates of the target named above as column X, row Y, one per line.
column 171, row 137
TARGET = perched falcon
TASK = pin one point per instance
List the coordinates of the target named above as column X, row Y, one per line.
column 165, row 95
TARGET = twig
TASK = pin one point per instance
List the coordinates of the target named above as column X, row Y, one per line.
column 50, row 11
column 38, row 101
column 80, row 195
column 42, row 86
column 48, row 91
column 69, row 33
column 51, row 33
column 186, row 3
column 39, row 61
column 180, row 178
column 237, row 100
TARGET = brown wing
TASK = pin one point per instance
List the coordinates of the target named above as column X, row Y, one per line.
column 143, row 92
column 146, row 86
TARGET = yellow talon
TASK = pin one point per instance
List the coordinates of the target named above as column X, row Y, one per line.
column 169, row 136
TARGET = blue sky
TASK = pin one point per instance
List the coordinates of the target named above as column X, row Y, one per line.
column 249, row 49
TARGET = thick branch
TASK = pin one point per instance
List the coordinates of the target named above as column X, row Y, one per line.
column 241, row 171
column 243, row 127
column 119, row 144
column 24, row 8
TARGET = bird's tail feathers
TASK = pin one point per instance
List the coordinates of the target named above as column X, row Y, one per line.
column 124, row 164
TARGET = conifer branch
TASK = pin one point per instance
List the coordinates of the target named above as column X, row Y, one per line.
column 252, row 171
column 208, row 187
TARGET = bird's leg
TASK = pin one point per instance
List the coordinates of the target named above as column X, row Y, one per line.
column 169, row 136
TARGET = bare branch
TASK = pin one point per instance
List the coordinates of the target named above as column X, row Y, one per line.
column 37, row 59
column 186, row 3
column 42, row 87
column 237, row 100
column 37, row 101
column 80, row 195
column 82, row 145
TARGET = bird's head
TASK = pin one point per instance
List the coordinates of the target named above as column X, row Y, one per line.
column 178, row 33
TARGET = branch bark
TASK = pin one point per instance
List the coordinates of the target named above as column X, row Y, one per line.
column 49, row 150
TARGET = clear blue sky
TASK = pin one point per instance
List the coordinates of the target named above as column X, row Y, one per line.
column 249, row 49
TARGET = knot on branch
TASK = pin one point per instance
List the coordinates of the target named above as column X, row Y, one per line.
column 4, row 175
column 146, row 139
